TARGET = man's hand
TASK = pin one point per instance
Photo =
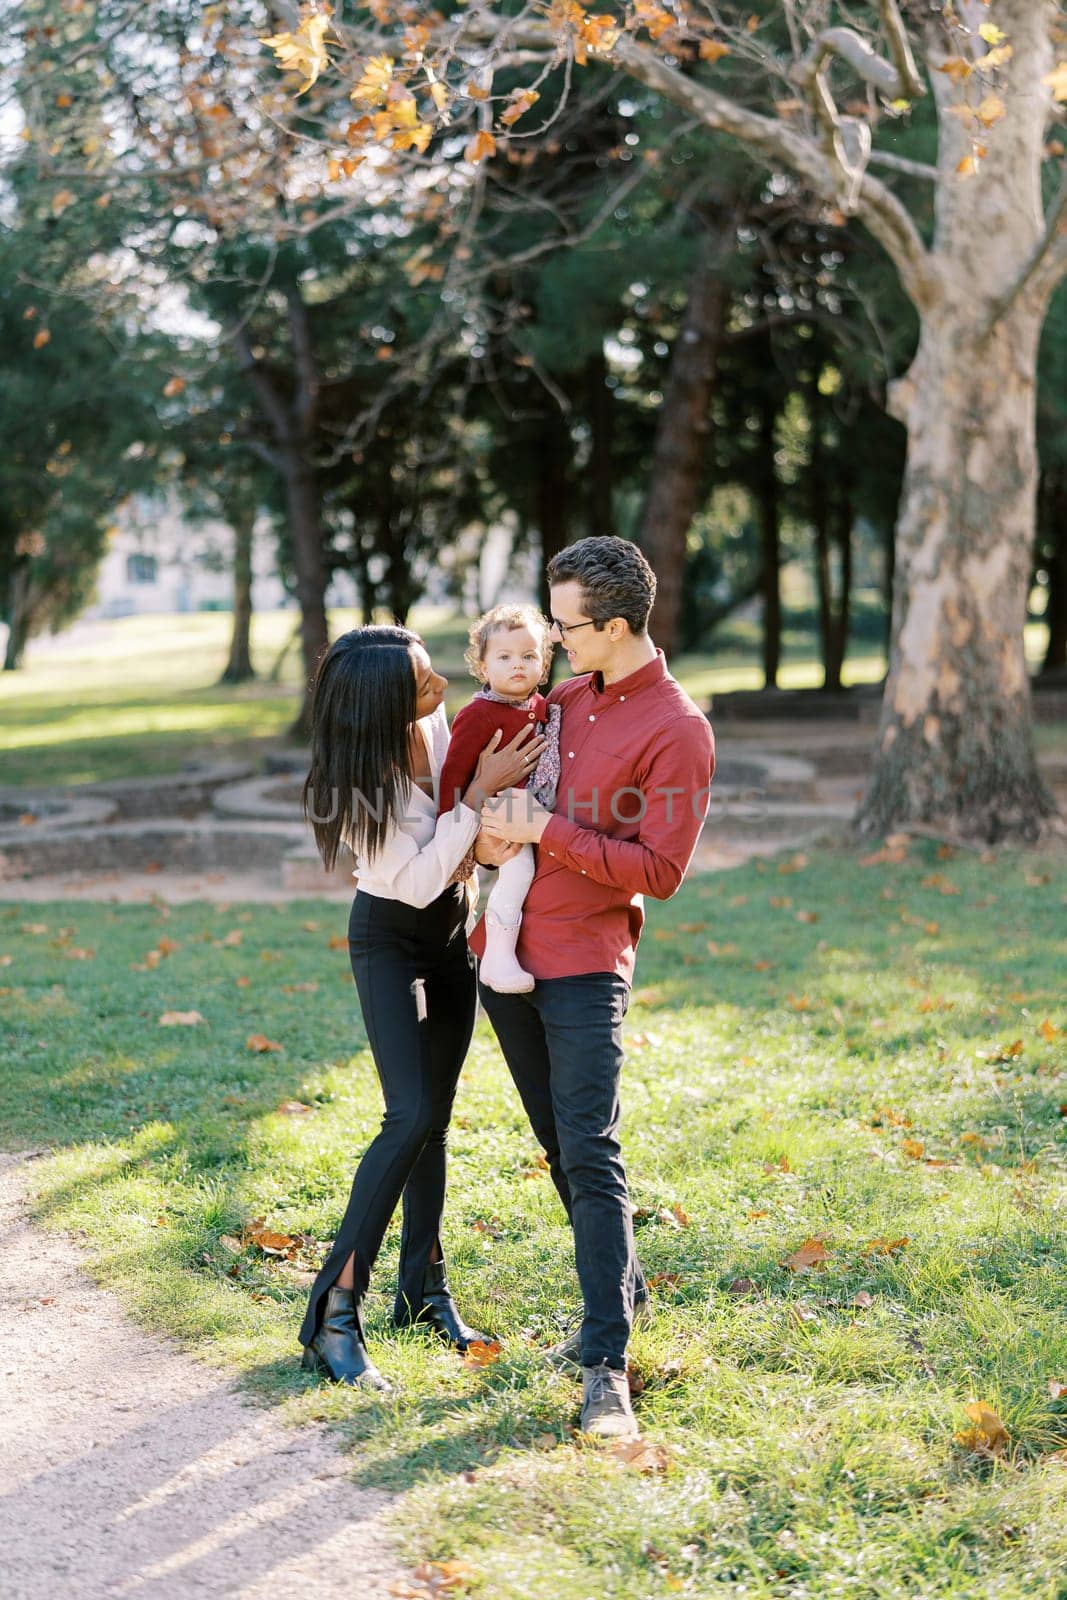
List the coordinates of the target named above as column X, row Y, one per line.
column 489, row 851
column 515, row 816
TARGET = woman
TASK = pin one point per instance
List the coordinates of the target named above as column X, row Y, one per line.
column 378, row 742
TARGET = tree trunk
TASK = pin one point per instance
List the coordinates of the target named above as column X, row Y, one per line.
column 368, row 589
column 955, row 745
column 1055, row 540
column 239, row 666
column 553, row 510
column 18, row 619
column 302, row 501
column 680, row 451
column 600, row 516
column 838, row 644
column 831, row 515
column 770, row 546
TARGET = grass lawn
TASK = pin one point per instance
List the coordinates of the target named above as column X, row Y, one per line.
column 873, row 1057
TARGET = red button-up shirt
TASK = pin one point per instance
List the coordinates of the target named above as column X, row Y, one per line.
column 637, row 761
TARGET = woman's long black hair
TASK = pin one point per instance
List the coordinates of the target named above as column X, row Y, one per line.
column 362, row 709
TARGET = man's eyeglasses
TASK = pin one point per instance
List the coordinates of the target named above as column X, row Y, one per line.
column 563, row 628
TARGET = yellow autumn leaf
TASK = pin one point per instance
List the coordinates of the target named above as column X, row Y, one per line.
column 405, row 112
column 1049, row 1031
column 988, row 1436
column 713, row 50
column 521, row 101
column 1056, row 80
column 654, row 19
column 439, row 94
column 416, row 138
column 991, row 110
column 991, row 33
column 956, row 68
column 599, row 34
column 479, row 147
column 303, row 51
column 997, row 57
column 373, row 84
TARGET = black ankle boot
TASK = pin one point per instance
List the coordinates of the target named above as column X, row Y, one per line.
column 337, row 1350
column 439, row 1312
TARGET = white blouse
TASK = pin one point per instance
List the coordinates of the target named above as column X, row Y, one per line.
column 420, row 851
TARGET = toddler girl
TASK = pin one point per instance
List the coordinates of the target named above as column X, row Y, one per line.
column 510, row 654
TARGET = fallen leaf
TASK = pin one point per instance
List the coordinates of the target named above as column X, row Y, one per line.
column 989, row 1436
column 481, row 1353
column 740, row 1286
column 1057, row 1389
column 265, row 1239
column 446, row 1577
column 887, row 1117
column 885, row 1247
column 808, row 1257
column 640, row 1455
column 242, row 982
column 913, row 1149
column 799, row 1002
column 293, row 1108
column 339, row 941
column 180, row 1019
column 260, row 1044
column 863, row 1300
column 228, row 1242
column 1049, row 1032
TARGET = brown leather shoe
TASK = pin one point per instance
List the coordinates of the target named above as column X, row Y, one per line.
column 606, row 1409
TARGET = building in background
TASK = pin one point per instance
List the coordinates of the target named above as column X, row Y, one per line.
column 158, row 561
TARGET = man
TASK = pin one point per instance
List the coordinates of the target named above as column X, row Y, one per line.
column 637, row 758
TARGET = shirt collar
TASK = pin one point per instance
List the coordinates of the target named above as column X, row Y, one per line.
column 652, row 672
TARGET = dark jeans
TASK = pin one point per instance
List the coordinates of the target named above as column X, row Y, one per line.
column 416, row 983
column 563, row 1046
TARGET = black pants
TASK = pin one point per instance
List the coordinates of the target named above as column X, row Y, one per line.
column 416, row 982
column 563, row 1046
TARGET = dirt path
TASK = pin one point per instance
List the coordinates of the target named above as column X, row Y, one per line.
column 129, row 1469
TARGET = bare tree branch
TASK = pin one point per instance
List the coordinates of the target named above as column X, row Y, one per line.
column 307, row 390
column 1046, row 263
column 912, row 169
column 261, row 380
column 897, row 80
column 876, row 205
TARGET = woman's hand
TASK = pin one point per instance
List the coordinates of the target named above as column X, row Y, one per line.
column 501, row 768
